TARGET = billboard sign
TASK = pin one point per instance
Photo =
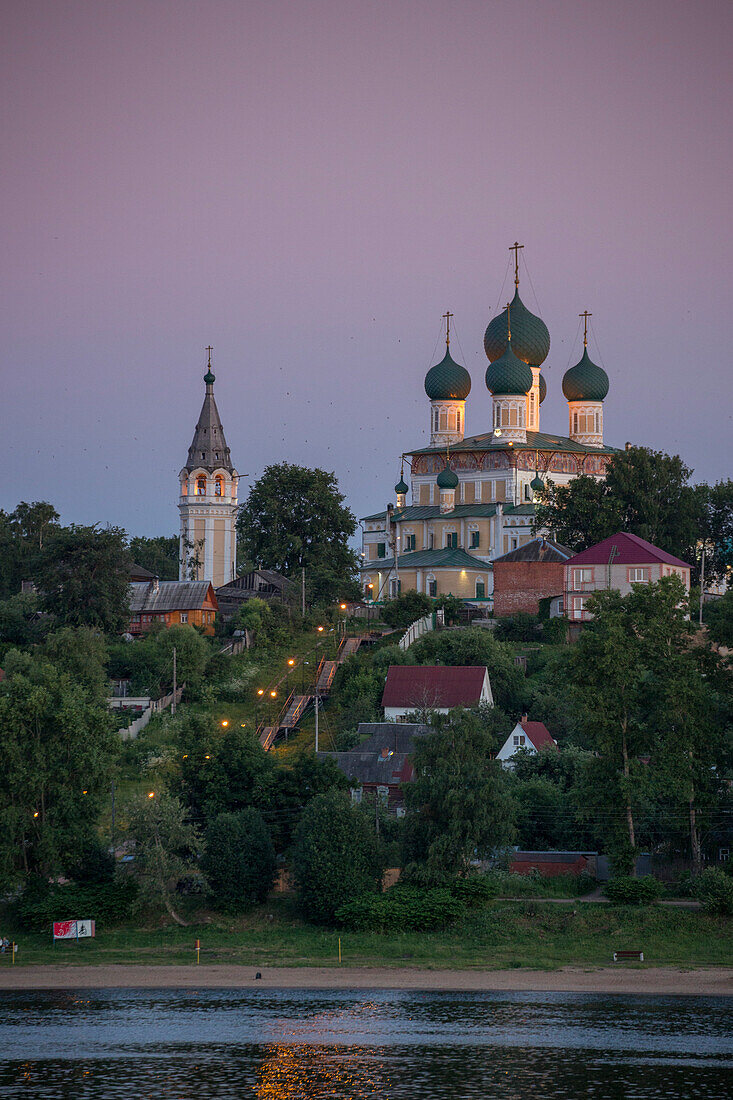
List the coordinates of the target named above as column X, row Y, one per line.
column 73, row 929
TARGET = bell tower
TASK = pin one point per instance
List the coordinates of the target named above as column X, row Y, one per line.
column 208, row 499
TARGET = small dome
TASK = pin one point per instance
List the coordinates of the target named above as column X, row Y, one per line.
column 447, row 380
column 585, row 381
column 447, row 479
column 508, row 374
column 209, row 377
column 530, row 337
column 543, row 388
column 536, row 484
column 401, row 488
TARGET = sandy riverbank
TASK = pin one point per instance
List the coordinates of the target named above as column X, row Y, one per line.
column 671, row 981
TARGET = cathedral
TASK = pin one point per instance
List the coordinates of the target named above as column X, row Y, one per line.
column 472, row 497
column 208, row 499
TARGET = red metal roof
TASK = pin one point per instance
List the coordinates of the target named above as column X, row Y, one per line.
column 629, row 550
column 538, row 734
column 433, row 686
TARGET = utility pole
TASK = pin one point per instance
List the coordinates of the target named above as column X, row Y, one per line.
column 113, row 819
column 702, row 580
column 317, row 705
column 302, row 590
column 173, row 704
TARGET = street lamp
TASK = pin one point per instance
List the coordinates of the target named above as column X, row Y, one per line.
column 151, row 794
column 225, row 722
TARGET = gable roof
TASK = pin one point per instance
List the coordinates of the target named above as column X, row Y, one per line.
column 383, row 758
column 627, row 549
column 539, row 549
column 538, row 734
column 433, row 685
column 170, row 596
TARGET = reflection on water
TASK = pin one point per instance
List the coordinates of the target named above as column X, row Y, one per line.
column 336, row 1045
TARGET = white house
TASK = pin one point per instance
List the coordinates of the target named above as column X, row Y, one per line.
column 530, row 736
column 438, row 688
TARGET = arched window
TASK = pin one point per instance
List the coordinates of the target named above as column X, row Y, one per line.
column 435, row 420
column 480, row 590
column 458, row 420
column 219, row 487
column 443, row 420
column 200, row 486
column 575, row 423
column 452, row 420
column 432, row 585
column 531, row 407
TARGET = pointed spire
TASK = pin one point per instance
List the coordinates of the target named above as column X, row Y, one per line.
column 209, row 447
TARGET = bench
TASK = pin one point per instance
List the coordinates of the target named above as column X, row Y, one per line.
column 637, row 956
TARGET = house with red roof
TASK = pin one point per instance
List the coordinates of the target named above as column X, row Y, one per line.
column 616, row 563
column 526, row 736
column 414, row 689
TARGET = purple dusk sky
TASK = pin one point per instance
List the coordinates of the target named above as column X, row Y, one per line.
column 308, row 187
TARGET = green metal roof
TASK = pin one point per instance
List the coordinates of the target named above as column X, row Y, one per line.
column 417, row 512
column 447, row 380
column 585, row 381
column 530, row 338
column 536, row 441
column 428, row 559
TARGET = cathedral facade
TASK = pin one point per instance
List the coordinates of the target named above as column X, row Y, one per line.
column 471, row 498
column 208, row 500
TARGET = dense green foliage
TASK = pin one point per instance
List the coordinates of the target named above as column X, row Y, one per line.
column 718, row 617
column 625, row 890
column 476, row 646
column 402, row 909
column 158, row 555
column 295, row 518
column 148, row 662
column 714, row 888
column 457, row 805
column 58, row 751
column 406, row 609
column 83, row 575
column 167, row 848
column 238, row 860
column 337, row 856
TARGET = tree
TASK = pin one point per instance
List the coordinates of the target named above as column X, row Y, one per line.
column 58, row 750
column 35, row 520
column 295, row 518
column 22, row 534
column 298, row 779
column 718, row 507
column 220, row 772
column 644, row 492
column 159, row 555
column 457, row 805
column 166, row 849
column 718, row 616
column 148, row 663
column 84, row 576
column 404, row 610
column 337, row 856
column 239, row 860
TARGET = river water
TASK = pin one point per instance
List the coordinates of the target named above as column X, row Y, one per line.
column 328, row 1045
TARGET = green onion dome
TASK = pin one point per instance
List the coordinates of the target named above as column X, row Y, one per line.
column 209, row 377
column 543, row 388
column 400, row 487
column 530, row 338
column 508, row 374
column 446, row 479
column 447, row 380
column 536, row 484
column 585, row 381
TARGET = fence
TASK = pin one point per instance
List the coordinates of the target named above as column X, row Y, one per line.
column 422, row 626
column 129, row 733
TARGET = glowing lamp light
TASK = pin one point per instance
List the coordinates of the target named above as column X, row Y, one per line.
column 35, row 813
column 291, row 661
column 83, row 792
column 342, row 606
column 320, row 629
column 273, row 694
column 225, row 721
column 260, row 691
column 151, row 794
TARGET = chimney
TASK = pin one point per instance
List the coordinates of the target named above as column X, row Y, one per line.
column 525, row 718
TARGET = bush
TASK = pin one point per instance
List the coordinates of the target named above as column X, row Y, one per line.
column 407, row 609
column 239, row 860
column 521, row 627
column 625, row 890
column 715, row 890
column 106, row 903
column 402, row 909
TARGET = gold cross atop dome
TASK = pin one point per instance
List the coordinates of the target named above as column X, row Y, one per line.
column 585, row 315
column 446, row 317
column 515, row 249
